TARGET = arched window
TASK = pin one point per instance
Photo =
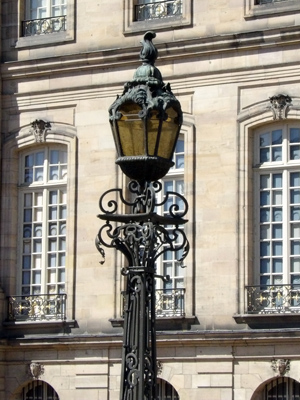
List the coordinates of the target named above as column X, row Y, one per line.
column 282, row 389
column 166, row 391
column 39, row 390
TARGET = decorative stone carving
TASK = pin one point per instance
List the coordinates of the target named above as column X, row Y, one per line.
column 281, row 366
column 279, row 105
column 36, row 370
column 39, row 128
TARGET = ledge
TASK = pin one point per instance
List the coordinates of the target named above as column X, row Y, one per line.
column 37, row 327
column 163, row 323
column 268, row 321
column 181, row 49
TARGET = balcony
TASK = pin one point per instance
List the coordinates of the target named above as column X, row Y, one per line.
column 271, row 306
column 170, row 310
column 273, row 299
column 44, row 26
column 169, row 303
column 39, row 308
column 158, row 10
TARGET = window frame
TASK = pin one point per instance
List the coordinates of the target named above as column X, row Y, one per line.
column 173, row 296
column 157, row 24
column 18, row 141
column 285, row 166
column 253, row 10
column 50, row 38
column 44, row 188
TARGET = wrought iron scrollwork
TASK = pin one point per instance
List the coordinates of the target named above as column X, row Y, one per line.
column 142, row 236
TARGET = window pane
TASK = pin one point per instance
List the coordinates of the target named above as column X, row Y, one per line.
column 295, row 179
column 265, row 249
column 277, row 231
column 277, row 137
column 277, row 181
column 295, row 135
column 265, row 181
column 276, row 154
column 265, row 139
column 277, row 248
column 277, row 265
column 295, row 213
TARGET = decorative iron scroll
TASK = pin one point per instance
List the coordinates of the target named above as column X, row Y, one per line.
column 44, row 26
column 142, row 236
column 273, row 299
column 145, row 235
column 37, row 307
column 161, row 9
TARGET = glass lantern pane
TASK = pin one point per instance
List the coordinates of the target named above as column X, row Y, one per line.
column 170, row 131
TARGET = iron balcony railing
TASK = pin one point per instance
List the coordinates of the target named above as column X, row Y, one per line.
column 44, row 26
column 168, row 303
column 42, row 307
column 161, row 9
column 269, row 299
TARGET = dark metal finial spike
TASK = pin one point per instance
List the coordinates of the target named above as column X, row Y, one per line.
column 149, row 52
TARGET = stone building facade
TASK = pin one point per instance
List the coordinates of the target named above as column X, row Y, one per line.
column 229, row 322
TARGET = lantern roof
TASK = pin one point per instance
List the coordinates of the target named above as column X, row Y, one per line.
column 146, row 120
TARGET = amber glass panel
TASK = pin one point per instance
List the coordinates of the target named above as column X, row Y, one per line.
column 152, row 126
column 168, row 135
column 131, row 130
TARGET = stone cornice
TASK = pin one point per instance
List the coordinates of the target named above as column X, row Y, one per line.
column 121, row 58
column 171, row 338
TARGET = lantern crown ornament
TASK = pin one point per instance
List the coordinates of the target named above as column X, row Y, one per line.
column 146, row 120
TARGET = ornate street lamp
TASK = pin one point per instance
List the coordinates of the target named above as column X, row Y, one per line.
column 145, row 122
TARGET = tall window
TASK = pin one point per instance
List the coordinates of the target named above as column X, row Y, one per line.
column 44, row 16
column 43, row 198
column 278, row 212
column 170, row 294
column 37, row 9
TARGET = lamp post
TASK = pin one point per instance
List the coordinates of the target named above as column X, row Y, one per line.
column 145, row 121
